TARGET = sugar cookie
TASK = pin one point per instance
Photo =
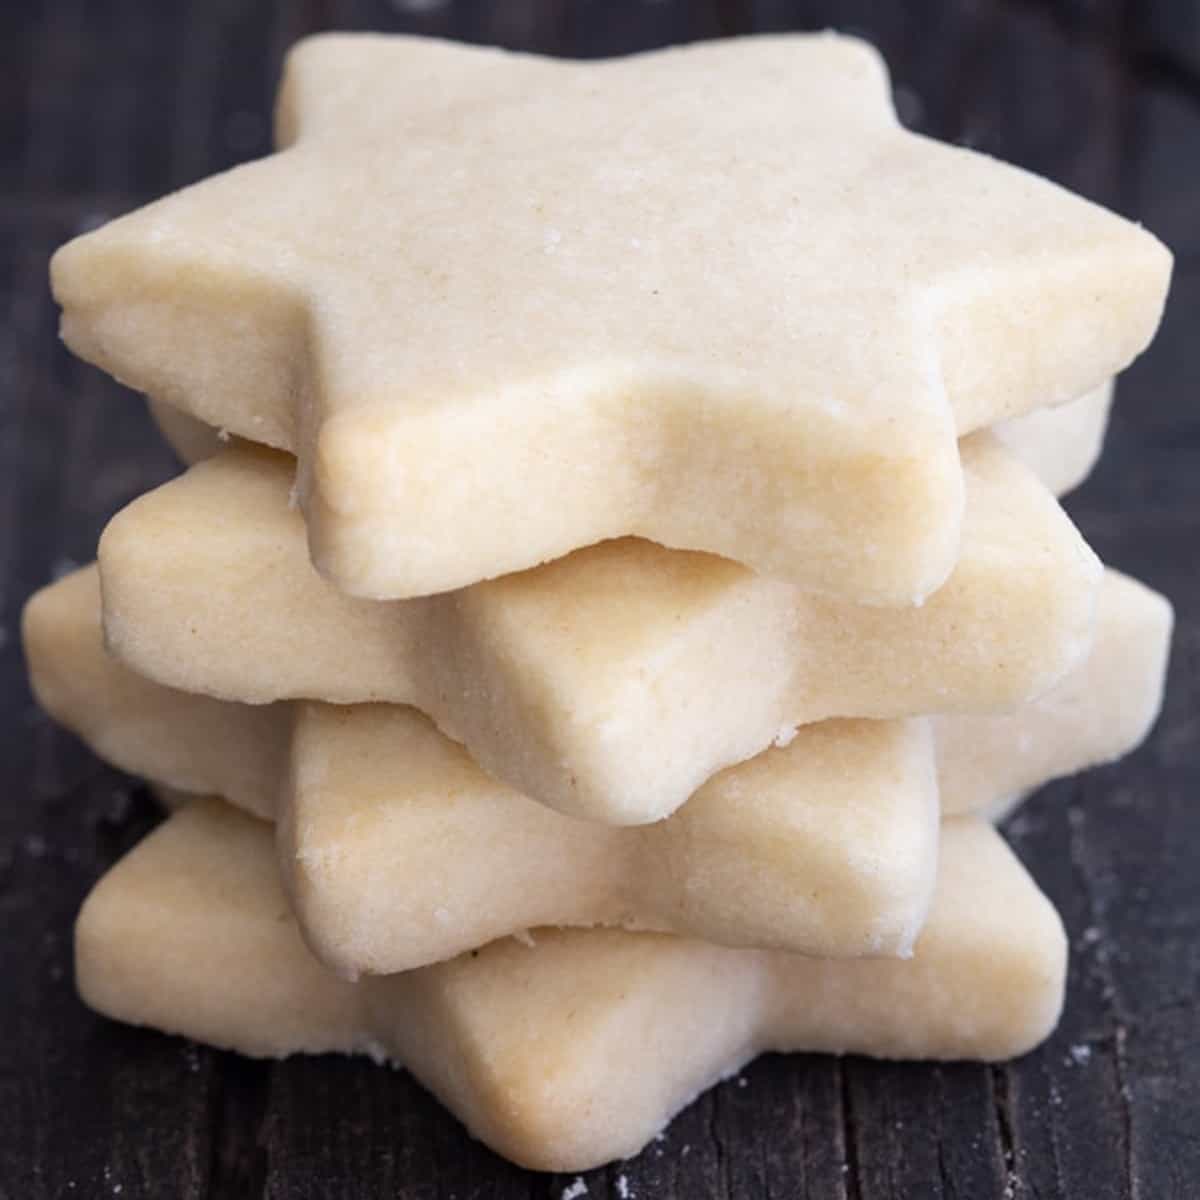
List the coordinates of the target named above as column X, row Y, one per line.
column 398, row 851
column 1060, row 445
column 1100, row 711
column 503, row 307
column 610, row 684
column 194, row 441
column 578, row 1048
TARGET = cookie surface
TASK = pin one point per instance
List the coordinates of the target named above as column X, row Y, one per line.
column 610, row 684
column 577, row 1048
column 1060, row 445
column 504, row 307
column 398, row 851
column 1100, row 711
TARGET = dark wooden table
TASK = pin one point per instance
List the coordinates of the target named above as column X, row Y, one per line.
column 105, row 103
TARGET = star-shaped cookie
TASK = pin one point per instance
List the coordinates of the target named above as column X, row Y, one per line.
column 397, row 851
column 609, row 684
column 502, row 307
column 1060, row 444
column 577, row 1048
column 825, row 846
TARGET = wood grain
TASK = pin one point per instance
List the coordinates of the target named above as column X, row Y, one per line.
column 105, row 103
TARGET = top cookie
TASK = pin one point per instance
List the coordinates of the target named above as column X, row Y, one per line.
column 502, row 307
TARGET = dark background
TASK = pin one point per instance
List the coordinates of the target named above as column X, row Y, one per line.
column 107, row 103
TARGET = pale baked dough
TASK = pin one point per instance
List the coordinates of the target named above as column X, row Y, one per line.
column 1097, row 713
column 503, row 307
column 610, row 684
column 194, row 441
column 397, row 851
column 189, row 743
column 1060, row 445
column 400, row 851
column 578, row 1048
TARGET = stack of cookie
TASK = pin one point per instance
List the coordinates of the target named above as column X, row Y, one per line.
column 619, row 581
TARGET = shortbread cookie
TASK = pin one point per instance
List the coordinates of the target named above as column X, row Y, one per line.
column 194, row 441
column 577, row 1048
column 503, row 307
column 185, row 742
column 1060, row 445
column 398, row 851
column 199, row 745
column 1100, row 711
column 610, row 684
